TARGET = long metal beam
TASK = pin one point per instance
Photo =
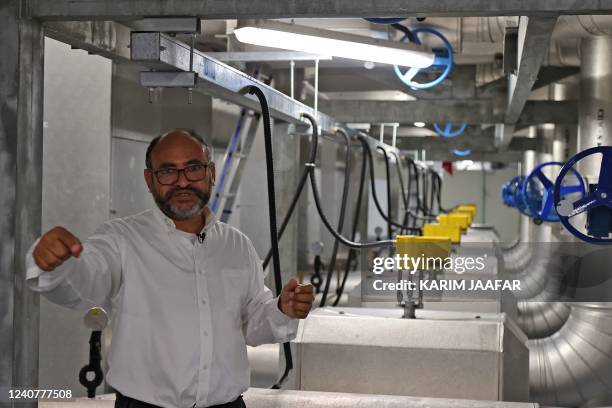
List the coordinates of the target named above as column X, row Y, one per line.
column 534, row 35
column 113, row 40
column 551, row 74
column 471, row 111
column 165, row 53
column 506, row 156
column 483, row 143
column 214, row 9
column 106, row 38
column 461, row 86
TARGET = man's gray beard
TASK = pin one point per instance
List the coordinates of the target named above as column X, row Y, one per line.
column 177, row 214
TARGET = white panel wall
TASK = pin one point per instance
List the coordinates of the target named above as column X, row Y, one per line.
column 76, row 189
column 483, row 190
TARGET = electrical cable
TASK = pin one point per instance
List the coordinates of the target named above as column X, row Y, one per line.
column 388, row 177
column 439, row 194
column 368, row 150
column 272, row 212
column 345, row 190
column 408, row 212
column 319, row 206
column 303, row 178
column 405, row 198
column 405, row 30
column 352, row 253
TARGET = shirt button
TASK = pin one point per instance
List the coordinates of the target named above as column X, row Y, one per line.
column 203, row 301
column 205, row 333
column 204, row 367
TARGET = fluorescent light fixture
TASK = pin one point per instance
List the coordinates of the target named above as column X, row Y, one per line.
column 333, row 43
column 419, row 124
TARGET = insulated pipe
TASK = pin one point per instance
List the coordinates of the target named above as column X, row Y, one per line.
column 574, row 365
column 541, row 319
column 595, row 106
column 541, row 275
column 545, row 135
column 540, row 314
column 528, row 164
column 518, row 257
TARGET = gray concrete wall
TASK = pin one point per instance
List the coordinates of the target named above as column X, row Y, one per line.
column 76, row 189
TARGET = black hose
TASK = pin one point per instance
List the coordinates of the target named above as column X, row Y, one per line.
column 405, row 198
column 352, row 253
column 366, row 146
column 405, row 30
column 413, row 168
column 421, row 200
column 303, row 178
column 439, row 194
column 345, row 190
column 432, row 193
column 388, row 178
column 317, row 200
column 272, row 212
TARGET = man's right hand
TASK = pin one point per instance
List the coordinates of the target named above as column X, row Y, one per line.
column 55, row 247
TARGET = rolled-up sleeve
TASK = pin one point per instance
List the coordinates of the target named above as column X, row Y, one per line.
column 81, row 283
column 263, row 321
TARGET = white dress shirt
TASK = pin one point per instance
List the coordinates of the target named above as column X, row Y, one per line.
column 182, row 311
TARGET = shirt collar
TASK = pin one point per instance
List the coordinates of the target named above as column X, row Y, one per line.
column 167, row 222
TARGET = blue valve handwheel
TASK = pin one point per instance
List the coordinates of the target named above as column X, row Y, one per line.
column 504, row 193
column 462, row 153
column 519, row 199
column 538, row 192
column 440, row 61
column 509, row 190
column 448, row 131
column 599, row 198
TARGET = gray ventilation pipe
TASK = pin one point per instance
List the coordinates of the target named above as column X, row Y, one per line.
column 517, row 258
column 570, row 345
column 540, row 314
column 540, row 273
column 574, row 365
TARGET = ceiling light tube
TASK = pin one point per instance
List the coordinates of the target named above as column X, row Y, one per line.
column 335, row 44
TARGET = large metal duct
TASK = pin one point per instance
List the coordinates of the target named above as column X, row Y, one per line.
column 542, row 319
column 574, row 365
column 540, row 314
column 595, row 105
column 517, row 258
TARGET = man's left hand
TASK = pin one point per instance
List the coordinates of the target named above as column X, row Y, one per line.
column 295, row 299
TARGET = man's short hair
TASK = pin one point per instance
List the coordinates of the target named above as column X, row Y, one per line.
column 190, row 132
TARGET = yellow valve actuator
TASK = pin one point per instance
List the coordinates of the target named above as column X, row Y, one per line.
column 467, row 208
column 453, row 232
column 428, row 246
column 462, row 221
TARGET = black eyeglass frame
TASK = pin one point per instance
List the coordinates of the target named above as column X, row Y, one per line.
column 178, row 173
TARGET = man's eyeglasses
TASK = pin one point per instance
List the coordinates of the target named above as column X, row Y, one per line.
column 170, row 175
